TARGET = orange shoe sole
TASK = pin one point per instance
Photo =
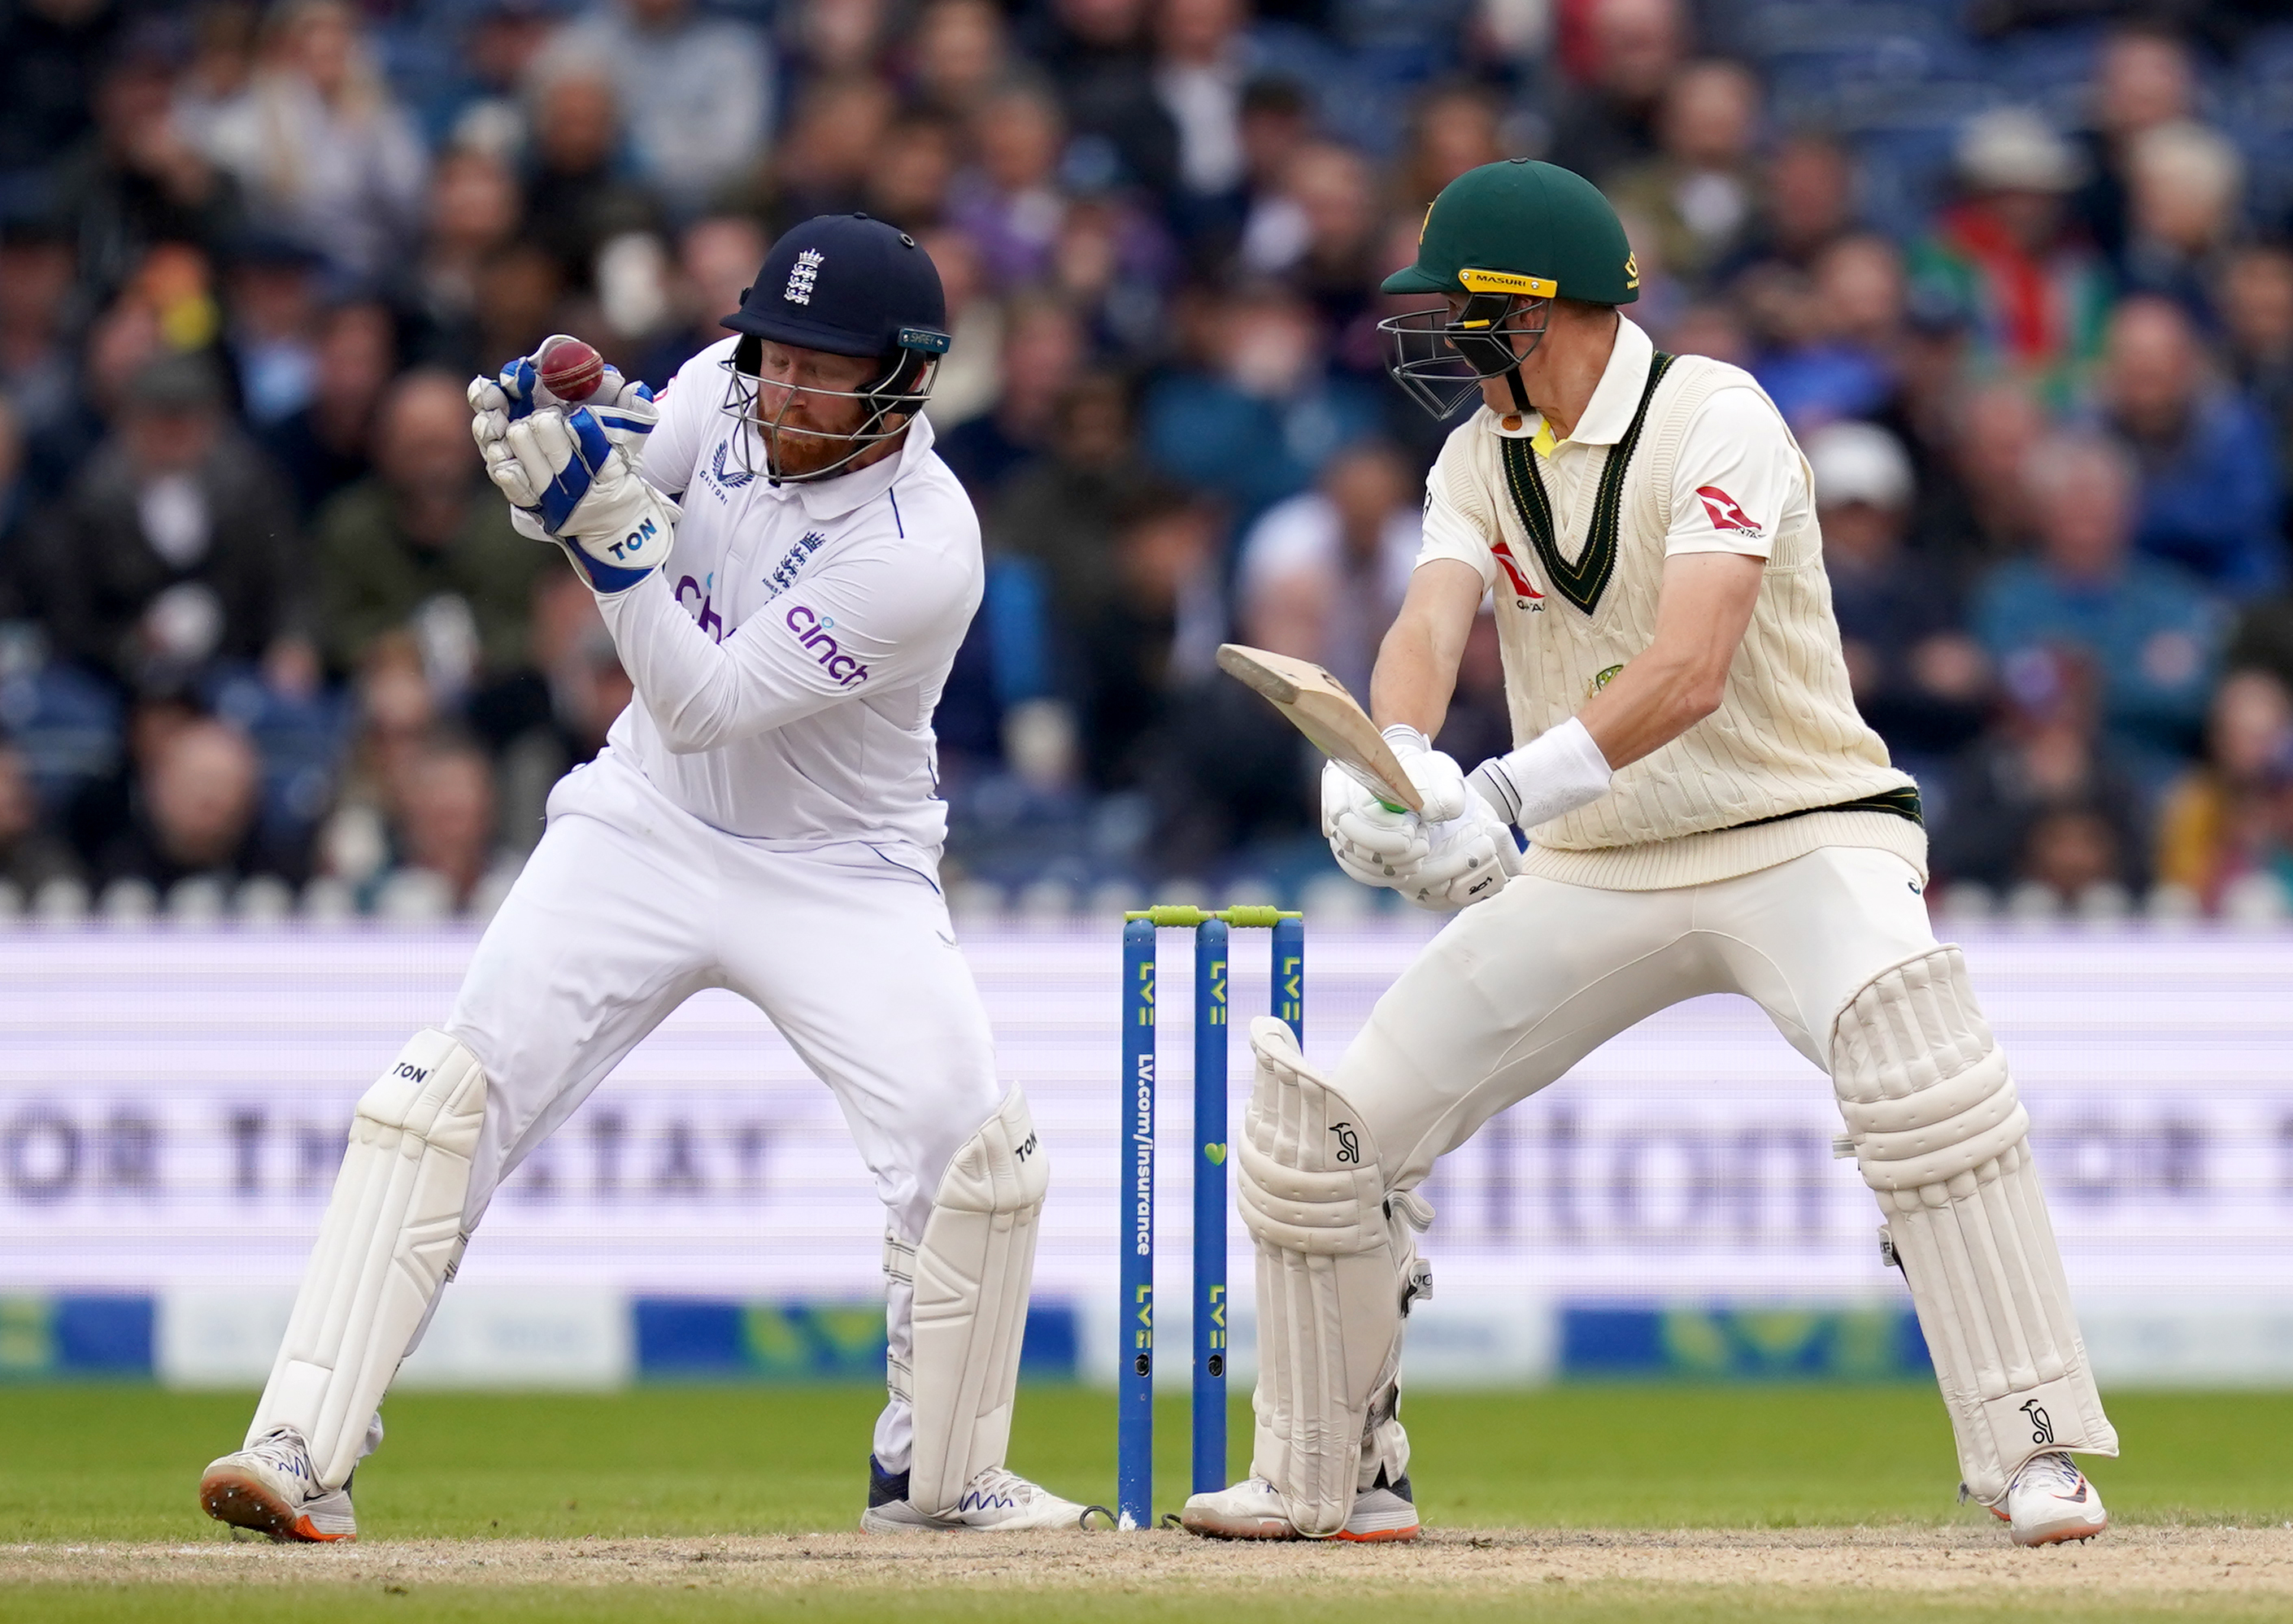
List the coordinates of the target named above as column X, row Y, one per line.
column 1381, row 1535
column 237, row 1499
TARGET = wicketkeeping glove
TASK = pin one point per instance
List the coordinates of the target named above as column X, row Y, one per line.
column 562, row 472
column 625, row 410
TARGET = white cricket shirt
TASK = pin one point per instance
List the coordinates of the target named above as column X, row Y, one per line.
column 787, row 656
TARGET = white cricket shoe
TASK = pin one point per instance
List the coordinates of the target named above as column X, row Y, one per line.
column 271, row 1487
column 1253, row 1510
column 996, row 1500
column 2050, row 1501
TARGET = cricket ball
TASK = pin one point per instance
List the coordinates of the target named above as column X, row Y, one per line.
column 571, row 369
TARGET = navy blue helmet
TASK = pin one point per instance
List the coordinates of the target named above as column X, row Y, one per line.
column 848, row 285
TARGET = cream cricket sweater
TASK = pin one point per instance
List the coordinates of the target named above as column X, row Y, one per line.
column 1573, row 547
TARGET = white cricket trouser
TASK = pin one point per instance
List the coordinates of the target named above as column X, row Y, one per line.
column 1518, row 989
column 630, row 905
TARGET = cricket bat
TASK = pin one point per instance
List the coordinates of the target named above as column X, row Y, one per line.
column 1319, row 706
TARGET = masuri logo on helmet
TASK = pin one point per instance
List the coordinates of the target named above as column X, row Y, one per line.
column 1497, row 235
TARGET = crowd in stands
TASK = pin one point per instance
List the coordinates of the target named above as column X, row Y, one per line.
column 2016, row 271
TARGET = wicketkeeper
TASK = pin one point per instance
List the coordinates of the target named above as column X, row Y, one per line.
column 1706, row 814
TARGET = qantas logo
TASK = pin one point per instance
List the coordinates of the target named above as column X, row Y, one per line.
column 1530, row 598
column 1720, row 509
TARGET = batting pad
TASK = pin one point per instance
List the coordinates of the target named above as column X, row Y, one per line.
column 1336, row 1270
column 972, row 1272
column 390, row 1240
column 1944, row 1144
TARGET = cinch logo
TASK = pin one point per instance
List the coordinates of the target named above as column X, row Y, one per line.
column 1529, row 597
column 1720, row 509
column 710, row 621
column 806, row 272
column 812, row 632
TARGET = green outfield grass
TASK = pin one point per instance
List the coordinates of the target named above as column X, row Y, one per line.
column 759, row 1459
column 108, row 1465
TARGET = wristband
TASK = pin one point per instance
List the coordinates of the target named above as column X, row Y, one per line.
column 1552, row 775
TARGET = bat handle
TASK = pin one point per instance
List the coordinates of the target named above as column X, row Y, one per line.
column 1369, row 782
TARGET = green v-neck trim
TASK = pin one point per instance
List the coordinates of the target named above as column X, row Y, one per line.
column 1583, row 582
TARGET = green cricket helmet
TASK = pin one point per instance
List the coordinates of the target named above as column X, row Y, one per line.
column 1503, row 239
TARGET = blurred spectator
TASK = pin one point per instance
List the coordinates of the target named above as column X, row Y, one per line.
column 696, row 92
column 39, row 372
column 1058, row 509
column 1159, row 630
column 30, row 855
column 1042, row 352
column 718, row 258
column 822, row 163
column 583, row 689
column 1454, row 129
column 2009, row 255
column 176, row 545
column 577, row 197
column 135, row 180
column 448, row 859
column 1009, row 203
column 193, row 814
column 1321, row 231
column 425, row 543
column 324, row 446
column 224, row 37
column 2215, row 824
column 1806, row 202
column 971, row 377
column 482, row 108
column 912, row 171
column 18, row 588
column 2143, row 80
column 1608, row 122
column 2257, row 314
column 2211, row 492
column 1097, row 53
column 1849, row 334
column 521, row 293
column 959, row 53
column 321, row 148
column 52, row 54
column 1200, row 69
column 1479, row 723
column 2046, row 796
column 1697, row 192
column 2188, row 183
column 1322, row 575
column 830, row 39
column 1918, row 679
column 2151, row 633
column 473, row 213
column 273, row 286
column 1258, row 413
column 1977, row 511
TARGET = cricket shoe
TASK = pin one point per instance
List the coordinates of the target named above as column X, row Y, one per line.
column 271, row 1487
column 1253, row 1510
column 2050, row 1501
column 996, row 1500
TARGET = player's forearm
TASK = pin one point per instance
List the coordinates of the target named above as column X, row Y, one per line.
column 1416, row 669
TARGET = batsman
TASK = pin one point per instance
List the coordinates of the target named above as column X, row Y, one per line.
column 1706, row 812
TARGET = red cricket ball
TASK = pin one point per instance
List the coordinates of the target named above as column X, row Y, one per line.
column 572, row 370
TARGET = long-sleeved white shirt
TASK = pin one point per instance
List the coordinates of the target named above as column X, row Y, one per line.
column 787, row 657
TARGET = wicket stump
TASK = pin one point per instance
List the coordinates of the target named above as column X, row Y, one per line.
column 1134, row 1467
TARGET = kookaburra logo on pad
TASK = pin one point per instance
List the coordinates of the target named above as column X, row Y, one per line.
column 1349, row 1146
column 2042, row 1427
column 805, row 272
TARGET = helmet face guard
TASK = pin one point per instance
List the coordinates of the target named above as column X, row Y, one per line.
column 1440, row 355
column 887, row 405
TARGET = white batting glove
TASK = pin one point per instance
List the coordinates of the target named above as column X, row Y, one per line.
column 562, row 471
column 1378, row 844
column 1470, row 858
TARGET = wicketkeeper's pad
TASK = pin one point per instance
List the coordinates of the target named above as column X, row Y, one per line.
column 972, row 1271
column 391, row 1240
column 1337, row 1269
column 1944, row 1144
